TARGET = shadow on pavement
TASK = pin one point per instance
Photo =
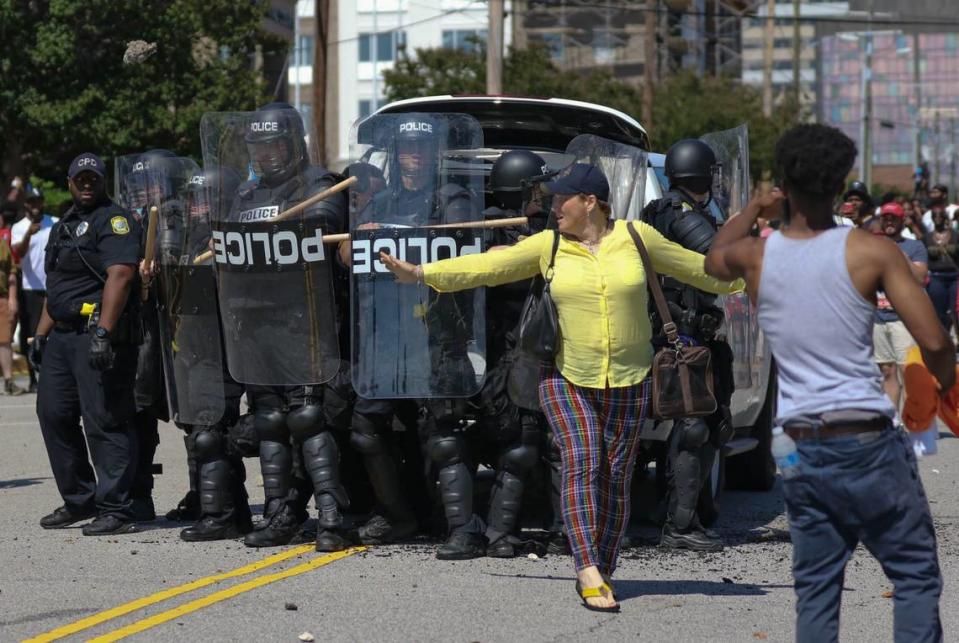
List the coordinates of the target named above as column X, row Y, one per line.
column 21, row 482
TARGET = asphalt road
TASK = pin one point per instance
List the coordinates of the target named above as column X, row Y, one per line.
column 52, row 579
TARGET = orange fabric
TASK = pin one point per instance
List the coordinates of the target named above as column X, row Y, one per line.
column 922, row 397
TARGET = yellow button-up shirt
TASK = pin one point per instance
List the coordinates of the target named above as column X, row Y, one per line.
column 602, row 299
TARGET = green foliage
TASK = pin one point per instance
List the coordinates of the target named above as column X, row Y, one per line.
column 526, row 72
column 684, row 105
column 53, row 192
column 64, row 87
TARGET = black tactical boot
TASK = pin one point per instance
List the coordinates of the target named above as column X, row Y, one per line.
column 557, row 544
column 462, row 546
column 63, row 517
column 331, row 540
column 278, row 528
column 187, row 510
column 502, row 548
column 693, row 539
column 380, row 530
column 109, row 526
column 211, row 528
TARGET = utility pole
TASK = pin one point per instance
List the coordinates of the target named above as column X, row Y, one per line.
column 916, row 78
column 517, row 27
column 322, row 34
column 494, row 49
column 797, row 46
column 952, row 160
column 768, row 58
column 937, row 146
column 867, row 114
column 649, row 63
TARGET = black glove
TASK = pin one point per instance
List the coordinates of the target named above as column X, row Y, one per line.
column 101, row 350
column 35, row 352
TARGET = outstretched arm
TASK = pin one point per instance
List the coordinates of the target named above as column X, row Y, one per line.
column 517, row 262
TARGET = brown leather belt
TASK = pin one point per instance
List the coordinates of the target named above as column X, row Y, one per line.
column 826, row 431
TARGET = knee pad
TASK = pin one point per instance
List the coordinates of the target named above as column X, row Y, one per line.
column 445, row 450
column 271, row 425
column 367, row 434
column 209, row 445
column 305, row 421
column 519, row 460
column 693, row 433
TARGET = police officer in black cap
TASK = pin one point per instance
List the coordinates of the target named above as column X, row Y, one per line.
column 86, row 343
column 682, row 216
column 298, row 452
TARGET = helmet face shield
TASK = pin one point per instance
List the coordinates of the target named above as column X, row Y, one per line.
column 271, row 157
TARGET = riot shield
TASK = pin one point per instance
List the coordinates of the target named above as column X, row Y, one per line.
column 410, row 341
column 624, row 167
column 190, row 324
column 731, row 179
column 274, row 273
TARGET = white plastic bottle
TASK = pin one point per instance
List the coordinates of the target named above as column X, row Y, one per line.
column 785, row 453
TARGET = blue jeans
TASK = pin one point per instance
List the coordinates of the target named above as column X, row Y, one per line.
column 862, row 488
column 942, row 292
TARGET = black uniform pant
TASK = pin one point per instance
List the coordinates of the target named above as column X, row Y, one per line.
column 70, row 390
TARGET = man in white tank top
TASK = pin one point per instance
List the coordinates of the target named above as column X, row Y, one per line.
column 815, row 286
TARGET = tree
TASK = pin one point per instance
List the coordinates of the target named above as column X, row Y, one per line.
column 684, row 105
column 64, row 87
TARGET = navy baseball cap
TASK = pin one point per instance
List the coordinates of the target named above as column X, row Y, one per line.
column 87, row 161
column 581, row 178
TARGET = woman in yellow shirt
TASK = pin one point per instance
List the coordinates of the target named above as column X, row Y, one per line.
column 597, row 395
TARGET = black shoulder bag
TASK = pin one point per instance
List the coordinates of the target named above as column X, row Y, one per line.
column 539, row 323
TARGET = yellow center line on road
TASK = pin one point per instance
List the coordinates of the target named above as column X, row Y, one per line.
column 126, row 608
column 222, row 595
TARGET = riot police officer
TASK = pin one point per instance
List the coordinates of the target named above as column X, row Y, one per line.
column 682, row 216
column 86, row 344
column 206, row 398
column 516, row 434
column 414, row 197
column 298, row 453
column 149, row 182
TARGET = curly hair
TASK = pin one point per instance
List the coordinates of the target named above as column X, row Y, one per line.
column 814, row 159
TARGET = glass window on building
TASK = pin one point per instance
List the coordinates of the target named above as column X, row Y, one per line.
column 465, row 39
column 365, row 108
column 553, row 42
column 387, row 45
column 304, row 51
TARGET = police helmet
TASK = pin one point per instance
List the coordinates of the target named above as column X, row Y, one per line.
column 209, row 184
column 155, row 176
column 690, row 159
column 511, row 179
column 276, row 141
column 858, row 188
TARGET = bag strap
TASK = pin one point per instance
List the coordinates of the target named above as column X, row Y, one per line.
column 672, row 334
column 552, row 257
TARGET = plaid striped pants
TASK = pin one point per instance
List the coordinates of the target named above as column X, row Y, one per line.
column 598, row 435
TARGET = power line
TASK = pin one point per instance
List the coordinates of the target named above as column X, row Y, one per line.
column 839, row 19
column 438, row 16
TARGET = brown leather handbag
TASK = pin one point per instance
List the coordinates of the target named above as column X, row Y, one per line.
column 682, row 376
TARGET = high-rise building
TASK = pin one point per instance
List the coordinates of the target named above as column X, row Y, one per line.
column 783, row 48
column 698, row 35
column 915, row 100
column 366, row 38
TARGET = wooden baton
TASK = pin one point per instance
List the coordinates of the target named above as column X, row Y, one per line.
column 150, row 251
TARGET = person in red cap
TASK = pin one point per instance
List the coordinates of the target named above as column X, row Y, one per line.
column 891, row 339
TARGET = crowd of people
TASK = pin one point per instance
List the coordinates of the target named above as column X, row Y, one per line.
column 24, row 229
column 227, row 310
